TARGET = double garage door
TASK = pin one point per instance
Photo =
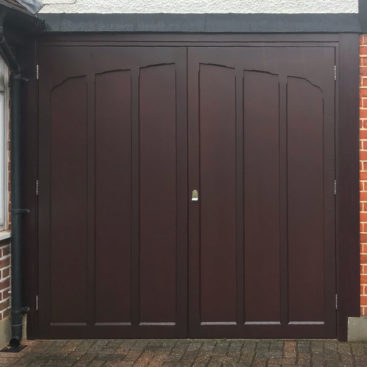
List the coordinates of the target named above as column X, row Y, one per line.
column 187, row 191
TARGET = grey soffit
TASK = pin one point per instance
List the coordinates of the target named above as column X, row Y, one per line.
column 203, row 23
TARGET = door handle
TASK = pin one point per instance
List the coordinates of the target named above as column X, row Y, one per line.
column 195, row 195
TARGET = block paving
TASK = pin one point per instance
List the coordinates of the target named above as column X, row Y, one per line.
column 187, row 352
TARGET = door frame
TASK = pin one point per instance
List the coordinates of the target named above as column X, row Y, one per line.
column 347, row 148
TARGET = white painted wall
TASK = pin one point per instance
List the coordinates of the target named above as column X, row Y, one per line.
column 200, row 6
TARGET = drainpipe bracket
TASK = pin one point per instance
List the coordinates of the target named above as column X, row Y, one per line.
column 21, row 78
column 23, row 311
column 20, row 211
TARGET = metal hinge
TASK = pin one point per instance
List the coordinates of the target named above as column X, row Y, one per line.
column 37, row 72
column 37, row 302
column 37, row 187
column 336, row 301
column 334, row 72
column 334, row 187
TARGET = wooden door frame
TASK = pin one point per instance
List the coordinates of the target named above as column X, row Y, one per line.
column 347, row 148
column 347, row 176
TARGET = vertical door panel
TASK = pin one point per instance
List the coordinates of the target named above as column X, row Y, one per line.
column 218, row 194
column 69, row 210
column 158, row 194
column 113, row 197
column 261, row 198
column 113, row 209
column 306, row 238
column 274, row 106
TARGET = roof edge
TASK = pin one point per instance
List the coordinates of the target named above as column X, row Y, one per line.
column 33, row 6
column 203, row 23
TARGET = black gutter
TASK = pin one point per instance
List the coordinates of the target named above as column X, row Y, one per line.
column 18, row 309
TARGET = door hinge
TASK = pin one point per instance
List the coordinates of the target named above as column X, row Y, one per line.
column 334, row 187
column 37, row 187
column 334, row 72
column 336, row 301
column 37, row 72
column 37, row 302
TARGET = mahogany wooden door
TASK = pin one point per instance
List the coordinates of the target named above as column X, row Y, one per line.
column 262, row 157
column 113, row 192
column 127, row 248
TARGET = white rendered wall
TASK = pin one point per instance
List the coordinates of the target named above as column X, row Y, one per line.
column 201, row 6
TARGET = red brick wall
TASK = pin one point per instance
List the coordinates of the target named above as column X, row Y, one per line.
column 4, row 281
column 363, row 171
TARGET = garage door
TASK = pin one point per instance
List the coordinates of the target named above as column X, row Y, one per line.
column 187, row 192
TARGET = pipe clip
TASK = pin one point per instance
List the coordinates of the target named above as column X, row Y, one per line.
column 20, row 211
column 25, row 310
column 21, row 78
column 22, row 311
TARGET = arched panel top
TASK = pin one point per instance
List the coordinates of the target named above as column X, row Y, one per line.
column 65, row 82
column 309, row 82
column 217, row 65
column 112, row 71
column 148, row 66
column 260, row 72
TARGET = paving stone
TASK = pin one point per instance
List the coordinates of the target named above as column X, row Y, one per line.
column 358, row 349
column 304, row 363
column 191, row 353
column 247, row 358
column 205, row 353
column 344, row 348
column 235, row 350
column 187, row 353
column 177, row 352
column 317, row 346
column 259, row 362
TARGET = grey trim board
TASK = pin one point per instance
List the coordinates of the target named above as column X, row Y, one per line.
column 203, row 23
column 363, row 15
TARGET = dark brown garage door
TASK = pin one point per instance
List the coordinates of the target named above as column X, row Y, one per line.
column 167, row 216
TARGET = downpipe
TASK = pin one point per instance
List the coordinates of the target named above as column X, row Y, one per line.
column 18, row 310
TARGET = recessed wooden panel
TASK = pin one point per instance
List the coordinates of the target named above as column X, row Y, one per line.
column 305, row 201
column 113, row 197
column 158, row 194
column 261, row 197
column 217, row 194
column 69, row 201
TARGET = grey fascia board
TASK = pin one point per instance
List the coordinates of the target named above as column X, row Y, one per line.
column 203, row 23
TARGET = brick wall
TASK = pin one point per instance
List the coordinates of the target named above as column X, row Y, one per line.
column 4, row 281
column 363, row 171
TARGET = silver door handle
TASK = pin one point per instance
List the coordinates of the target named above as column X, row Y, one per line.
column 195, row 195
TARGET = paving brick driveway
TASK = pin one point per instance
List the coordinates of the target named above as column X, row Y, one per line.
column 211, row 353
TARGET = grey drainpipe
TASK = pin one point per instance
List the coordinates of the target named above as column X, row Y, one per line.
column 18, row 310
